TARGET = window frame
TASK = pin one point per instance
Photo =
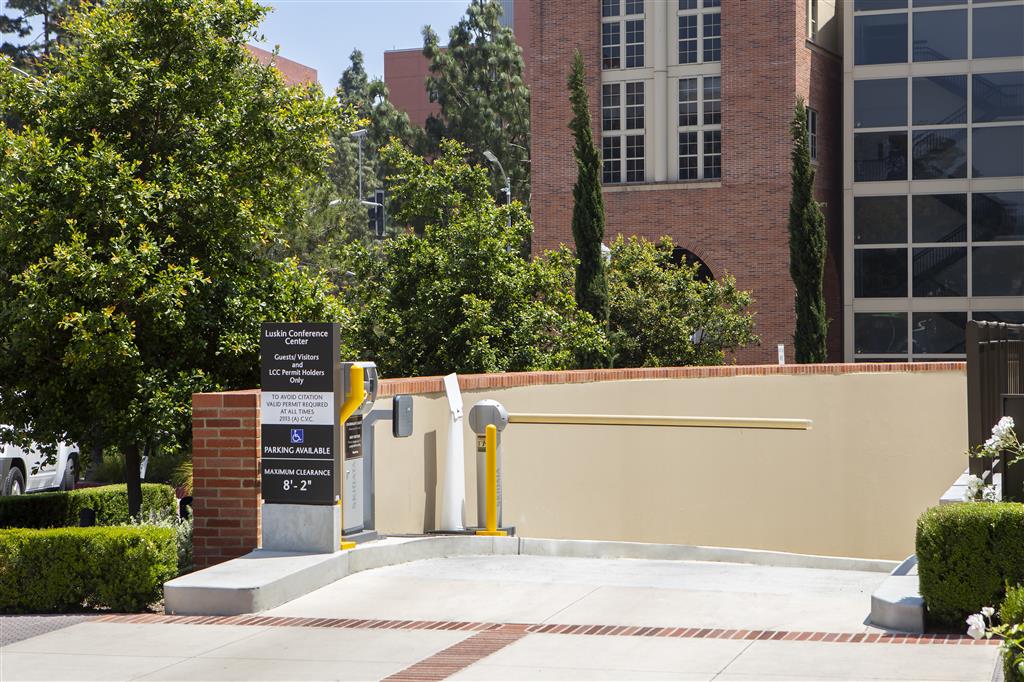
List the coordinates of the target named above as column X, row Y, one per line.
column 628, row 107
column 631, row 55
column 707, row 135
column 812, row 134
column 700, row 14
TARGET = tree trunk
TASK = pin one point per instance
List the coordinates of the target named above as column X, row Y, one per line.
column 132, row 478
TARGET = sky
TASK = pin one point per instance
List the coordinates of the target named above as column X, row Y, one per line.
column 322, row 33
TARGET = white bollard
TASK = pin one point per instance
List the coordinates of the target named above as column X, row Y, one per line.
column 453, row 501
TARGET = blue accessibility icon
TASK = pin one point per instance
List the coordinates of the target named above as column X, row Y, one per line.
column 298, row 436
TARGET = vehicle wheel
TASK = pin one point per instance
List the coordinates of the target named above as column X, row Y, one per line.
column 14, row 483
column 70, row 474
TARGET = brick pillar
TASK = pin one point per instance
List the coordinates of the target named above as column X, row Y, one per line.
column 225, row 475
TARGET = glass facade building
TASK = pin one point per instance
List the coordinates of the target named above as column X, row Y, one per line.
column 933, row 173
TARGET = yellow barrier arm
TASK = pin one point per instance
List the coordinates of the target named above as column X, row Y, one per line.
column 651, row 420
column 491, row 442
column 355, row 398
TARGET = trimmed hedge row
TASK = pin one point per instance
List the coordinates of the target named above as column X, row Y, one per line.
column 64, row 569
column 60, row 509
column 966, row 556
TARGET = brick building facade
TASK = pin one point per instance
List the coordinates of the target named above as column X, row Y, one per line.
column 736, row 222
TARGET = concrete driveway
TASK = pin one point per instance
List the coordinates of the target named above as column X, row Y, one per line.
column 524, row 617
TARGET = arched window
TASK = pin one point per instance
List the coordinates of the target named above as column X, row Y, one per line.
column 681, row 255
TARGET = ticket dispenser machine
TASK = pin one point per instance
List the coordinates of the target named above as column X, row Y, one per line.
column 353, row 490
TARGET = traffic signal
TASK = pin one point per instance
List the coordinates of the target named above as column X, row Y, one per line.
column 376, row 214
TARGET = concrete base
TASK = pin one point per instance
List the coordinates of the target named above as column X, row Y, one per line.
column 897, row 603
column 311, row 528
column 265, row 579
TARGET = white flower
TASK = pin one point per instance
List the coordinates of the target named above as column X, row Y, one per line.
column 976, row 626
column 987, row 611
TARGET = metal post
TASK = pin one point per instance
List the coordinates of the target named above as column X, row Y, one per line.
column 483, row 414
column 491, row 528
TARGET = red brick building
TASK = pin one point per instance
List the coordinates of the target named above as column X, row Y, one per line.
column 691, row 103
column 293, row 72
column 406, row 71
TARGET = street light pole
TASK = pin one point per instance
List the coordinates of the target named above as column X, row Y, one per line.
column 359, row 135
column 489, row 155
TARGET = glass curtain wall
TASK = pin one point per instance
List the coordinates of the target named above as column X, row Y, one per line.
column 935, row 224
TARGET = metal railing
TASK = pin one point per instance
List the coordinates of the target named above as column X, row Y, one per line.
column 995, row 358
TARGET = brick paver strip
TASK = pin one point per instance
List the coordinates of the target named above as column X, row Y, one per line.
column 462, row 655
column 504, row 629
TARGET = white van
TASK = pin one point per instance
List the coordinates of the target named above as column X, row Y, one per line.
column 27, row 471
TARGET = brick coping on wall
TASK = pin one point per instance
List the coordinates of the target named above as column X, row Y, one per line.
column 481, row 382
column 478, row 382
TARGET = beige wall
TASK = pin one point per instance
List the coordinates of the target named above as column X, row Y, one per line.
column 883, row 448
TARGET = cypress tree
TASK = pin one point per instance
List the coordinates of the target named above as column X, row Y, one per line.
column 807, row 245
column 588, row 205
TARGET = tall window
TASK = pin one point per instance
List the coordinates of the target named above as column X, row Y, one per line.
column 622, row 19
column 812, row 133
column 622, row 128
column 700, row 31
column 700, row 128
column 812, row 19
column 611, row 46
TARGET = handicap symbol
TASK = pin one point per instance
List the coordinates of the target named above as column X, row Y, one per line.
column 298, row 437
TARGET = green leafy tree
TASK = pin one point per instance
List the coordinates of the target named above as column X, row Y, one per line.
column 662, row 314
column 588, row 205
column 138, row 207
column 478, row 82
column 807, row 248
column 50, row 14
column 457, row 296
column 335, row 214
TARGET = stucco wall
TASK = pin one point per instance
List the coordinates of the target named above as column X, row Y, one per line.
column 883, row 448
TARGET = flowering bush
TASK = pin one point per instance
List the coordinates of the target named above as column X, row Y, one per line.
column 979, row 625
column 978, row 491
column 1003, row 440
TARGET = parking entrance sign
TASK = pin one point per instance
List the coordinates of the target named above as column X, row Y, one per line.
column 301, row 394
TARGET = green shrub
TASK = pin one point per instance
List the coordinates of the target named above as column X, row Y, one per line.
column 63, row 569
column 60, row 509
column 967, row 554
column 182, row 535
column 1011, row 612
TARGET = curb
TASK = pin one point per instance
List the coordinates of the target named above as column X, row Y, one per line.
column 263, row 579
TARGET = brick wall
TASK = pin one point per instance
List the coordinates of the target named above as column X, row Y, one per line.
column 225, row 475
column 737, row 226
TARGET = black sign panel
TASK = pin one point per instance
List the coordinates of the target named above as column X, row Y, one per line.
column 299, row 357
column 354, row 438
column 300, row 399
column 298, row 481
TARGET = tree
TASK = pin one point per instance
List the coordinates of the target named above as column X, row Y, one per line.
column 478, row 82
column 345, row 220
column 662, row 315
column 138, row 208
column 457, row 297
column 588, row 205
column 51, row 15
column 807, row 247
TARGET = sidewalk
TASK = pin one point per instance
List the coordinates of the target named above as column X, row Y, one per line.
column 524, row 617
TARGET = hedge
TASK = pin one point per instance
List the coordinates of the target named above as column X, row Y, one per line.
column 966, row 556
column 60, row 509
column 65, row 569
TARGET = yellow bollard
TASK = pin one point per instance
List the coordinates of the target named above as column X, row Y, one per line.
column 352, row 402
column 491, row 442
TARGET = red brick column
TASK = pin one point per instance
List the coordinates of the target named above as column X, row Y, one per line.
column 225, row 475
